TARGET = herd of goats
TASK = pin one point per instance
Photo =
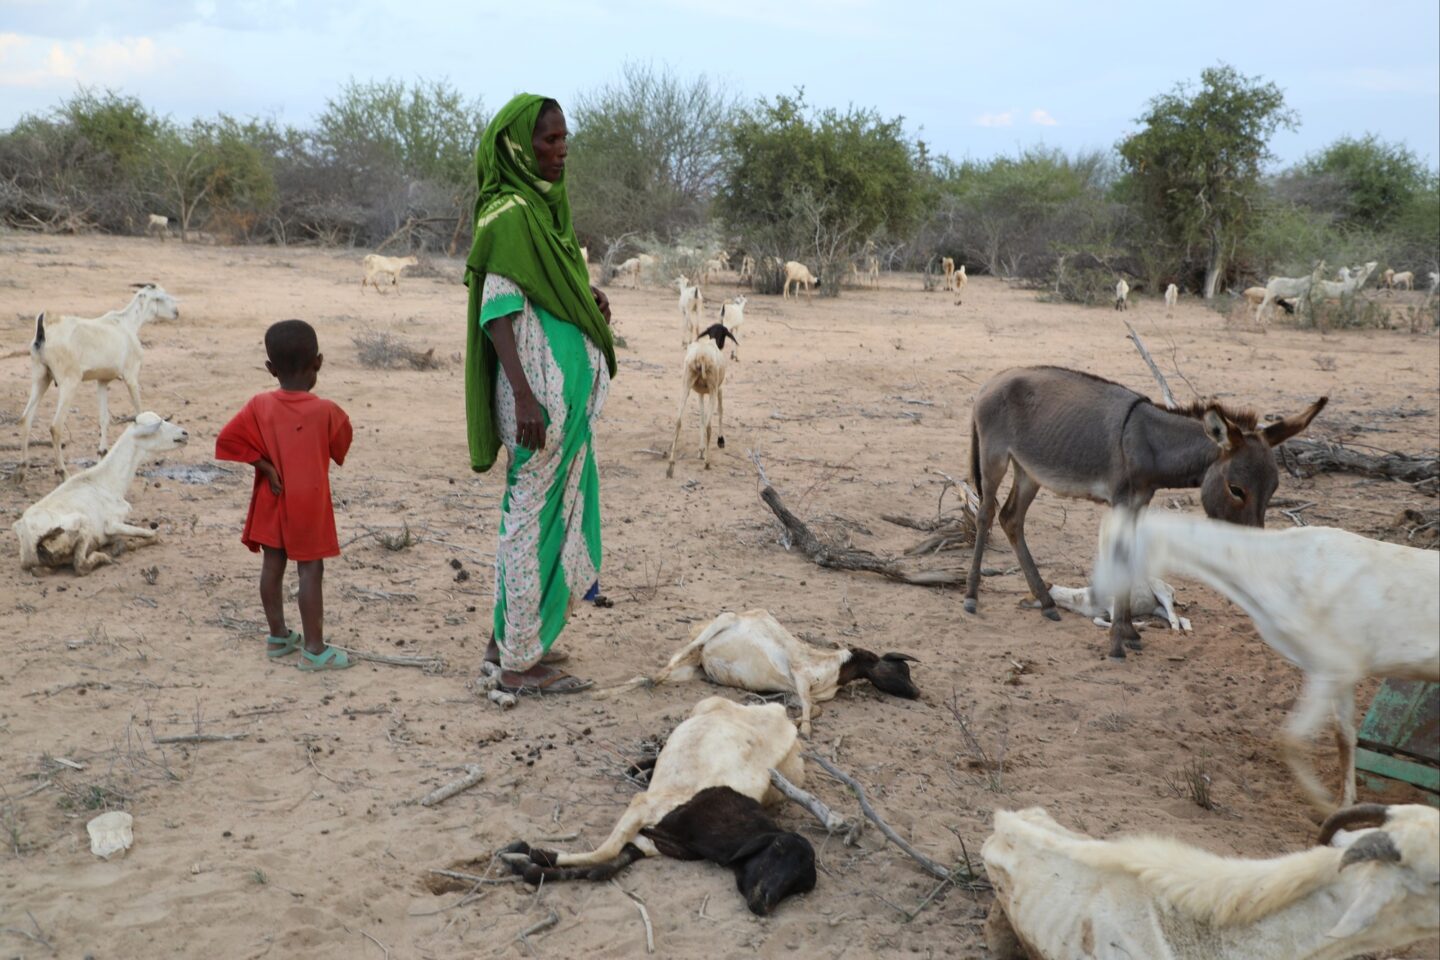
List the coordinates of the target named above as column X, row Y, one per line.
column 1339, row 606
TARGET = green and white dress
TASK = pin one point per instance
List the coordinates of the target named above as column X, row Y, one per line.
column 549, row 550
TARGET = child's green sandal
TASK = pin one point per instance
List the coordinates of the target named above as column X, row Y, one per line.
column 282, row 646
column 331, row 658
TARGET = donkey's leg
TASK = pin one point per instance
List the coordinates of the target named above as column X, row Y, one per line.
column 1012, row 521
column 991, row 472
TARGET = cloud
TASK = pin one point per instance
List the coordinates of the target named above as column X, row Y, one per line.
column 1043, row 118
column 28, row 61
column 996, row 119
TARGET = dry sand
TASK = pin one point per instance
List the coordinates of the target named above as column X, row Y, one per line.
column 303, row 839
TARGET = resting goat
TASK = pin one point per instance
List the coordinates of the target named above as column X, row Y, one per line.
column 1060, row 895
column 77, row 349
column 72, row 522
column 704, row 802
column 754, row 652
column 704, row 375
column 1339, row 606
column 377, row 266
column 1155, row 598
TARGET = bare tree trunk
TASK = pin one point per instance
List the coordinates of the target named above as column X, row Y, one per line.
column 1212, row 269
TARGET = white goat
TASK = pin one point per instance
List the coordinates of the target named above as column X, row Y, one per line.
column 377, row 266
column 1066, row 896
column 800, row 275
column 1122, row 295
column 1434, row 281
column 72, row 522
column 704, row 375
column 1172, row 294
column 752, row 651
column 732, row 317
column 692, row 305
column 1286, row 288
column 721, row 747
column 1406, row 279
column 158, row 225
column 960, row 280
column 630, row 268
column 1339, row 606
column 1155, row 598
column 947, row 268
column 1348, row 283
column 77, row 349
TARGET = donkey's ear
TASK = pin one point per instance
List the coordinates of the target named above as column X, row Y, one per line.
column 1282, row 430
column 1222, row 432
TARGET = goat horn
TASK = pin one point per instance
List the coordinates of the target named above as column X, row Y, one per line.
column 1360, row 815
column 1376, row 846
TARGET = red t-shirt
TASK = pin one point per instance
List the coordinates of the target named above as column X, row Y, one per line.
column 300, row 434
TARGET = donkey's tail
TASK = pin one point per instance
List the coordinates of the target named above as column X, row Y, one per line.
column 975, row 479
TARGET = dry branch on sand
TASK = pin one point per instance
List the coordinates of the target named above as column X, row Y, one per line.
column 1322, row 456
column 385, row 351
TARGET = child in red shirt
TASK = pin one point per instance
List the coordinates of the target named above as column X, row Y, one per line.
column 290, row 436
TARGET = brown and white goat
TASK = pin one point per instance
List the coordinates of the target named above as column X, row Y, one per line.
column 704, row 376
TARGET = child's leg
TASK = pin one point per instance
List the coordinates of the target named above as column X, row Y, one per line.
column 312, row 604
column 272, row 589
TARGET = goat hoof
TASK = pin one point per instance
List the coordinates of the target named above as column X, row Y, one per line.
column 1135, row 643
column 720, row 443
column 1117, row 656
column 519, row 847
column 1051, row 613
column 969, row 604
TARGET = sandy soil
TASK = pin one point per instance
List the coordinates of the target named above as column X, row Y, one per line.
column 304, row 838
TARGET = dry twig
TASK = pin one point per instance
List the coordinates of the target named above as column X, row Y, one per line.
column 473, row 775
column 930, row 866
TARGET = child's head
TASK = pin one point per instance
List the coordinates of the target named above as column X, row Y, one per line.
column 293, row 354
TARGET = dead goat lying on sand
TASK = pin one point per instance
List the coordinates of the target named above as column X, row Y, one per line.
column 752, row 651
column 704, row 803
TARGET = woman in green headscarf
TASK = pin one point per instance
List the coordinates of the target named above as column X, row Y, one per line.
column 538, row 364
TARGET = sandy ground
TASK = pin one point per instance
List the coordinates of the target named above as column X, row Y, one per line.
column 304, row 838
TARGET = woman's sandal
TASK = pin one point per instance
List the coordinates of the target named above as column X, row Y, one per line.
column 282, row 646
column 557, row 682
column 331, row 658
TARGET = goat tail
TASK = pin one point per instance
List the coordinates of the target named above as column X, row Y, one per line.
column 39, row 342
column 606, row 693
column 975, row 479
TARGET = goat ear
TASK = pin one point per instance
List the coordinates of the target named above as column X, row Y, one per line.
column 147, row 423
column 1282, row 430
column 1222, row 432
column 751, row 847
column 1372, row 898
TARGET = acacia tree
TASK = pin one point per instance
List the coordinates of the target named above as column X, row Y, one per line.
column 819, row 183
column 1195, row 166
column 211, row 166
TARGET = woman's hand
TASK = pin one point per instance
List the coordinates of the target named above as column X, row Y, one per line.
column 603, row 302
column 529, row 420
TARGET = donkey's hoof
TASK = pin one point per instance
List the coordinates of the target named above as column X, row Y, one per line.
column 1050, row 613
column 1135, row 643
column 969, row 604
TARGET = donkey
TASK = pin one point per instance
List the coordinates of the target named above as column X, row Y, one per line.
column 1090, row 438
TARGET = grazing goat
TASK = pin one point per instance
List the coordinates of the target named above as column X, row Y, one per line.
column 1172, row 294
column 692, row 305
column 1085, row 437
column 1155, row 598
column 1122, row 295
column 704, row 375
column 704, row 801
column 752, row 651
column 1347, row 284
column 1288, row 288
column 71, row 523
column 77, row 349
column 947, row 269
column 1339, row 606
column 377, row 266
column 1060, row 895
column 158, row 225
column 630, row 268
column 800, row 275
column 1387, row 279
column 960, row 280
column 732, row 317
column 1404, row 279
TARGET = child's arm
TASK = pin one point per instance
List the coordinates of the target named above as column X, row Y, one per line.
column 267, row 470
column 240, row 439
column 340, row 436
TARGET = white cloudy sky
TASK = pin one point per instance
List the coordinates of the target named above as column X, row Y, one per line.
column 971, row 81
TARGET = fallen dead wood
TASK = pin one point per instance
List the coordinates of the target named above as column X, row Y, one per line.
column 1325, row 456
column 202, row 737
column 832, row 822
column 1154, row 370
column 473, row 775
column 428, row 664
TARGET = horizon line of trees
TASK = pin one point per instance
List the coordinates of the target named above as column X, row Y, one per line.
column 1190, row 197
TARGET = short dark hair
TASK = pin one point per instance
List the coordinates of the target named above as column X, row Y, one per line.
column 545, row 107
column 291, row 346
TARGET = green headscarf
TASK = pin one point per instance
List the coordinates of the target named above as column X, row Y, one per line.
column 523, row 232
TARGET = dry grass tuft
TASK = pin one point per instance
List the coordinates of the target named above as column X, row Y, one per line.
column 385, row 351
